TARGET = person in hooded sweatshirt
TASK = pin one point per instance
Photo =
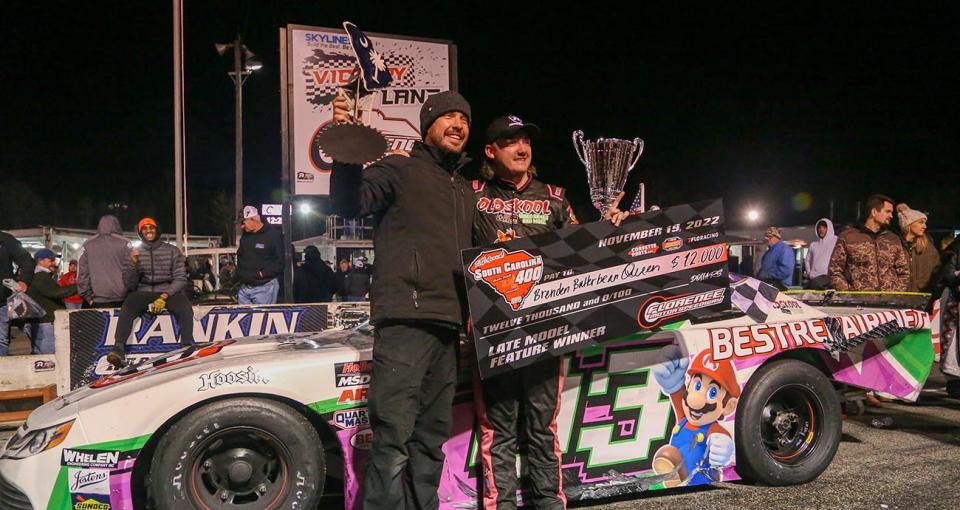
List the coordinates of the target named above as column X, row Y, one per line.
column 818, row 255
column 314, row 281
column 103, row 261
column 157, row 279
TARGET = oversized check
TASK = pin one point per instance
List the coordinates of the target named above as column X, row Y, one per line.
column 560, row 291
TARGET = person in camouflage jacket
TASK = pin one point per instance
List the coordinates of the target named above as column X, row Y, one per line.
column 868, row 256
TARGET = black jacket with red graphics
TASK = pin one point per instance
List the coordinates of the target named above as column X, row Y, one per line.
column 505, row 212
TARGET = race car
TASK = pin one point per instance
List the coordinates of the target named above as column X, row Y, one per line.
column 267, row 421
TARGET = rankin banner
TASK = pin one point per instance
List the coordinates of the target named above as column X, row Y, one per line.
column 92, row 332
column 557, row 292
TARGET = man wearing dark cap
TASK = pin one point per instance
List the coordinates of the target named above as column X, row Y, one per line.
column 776, row 266
column 49, row 294
column 422, row 210
column 511, row 203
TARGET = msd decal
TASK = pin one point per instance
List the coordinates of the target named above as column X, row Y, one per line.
column 511, row 274
column 353, row 373
column 660, row 308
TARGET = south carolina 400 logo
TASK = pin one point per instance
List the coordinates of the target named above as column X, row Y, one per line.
column 511, row 274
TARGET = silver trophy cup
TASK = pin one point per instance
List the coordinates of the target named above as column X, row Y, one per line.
column 608, row 162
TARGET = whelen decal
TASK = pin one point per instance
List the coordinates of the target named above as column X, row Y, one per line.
column 660, row 308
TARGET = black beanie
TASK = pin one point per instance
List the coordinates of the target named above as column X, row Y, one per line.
column 439, row 104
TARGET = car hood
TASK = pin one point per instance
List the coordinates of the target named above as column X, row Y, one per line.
column 322, row 344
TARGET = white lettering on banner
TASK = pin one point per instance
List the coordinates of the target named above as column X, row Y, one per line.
column 219, row 326
column 623, row 274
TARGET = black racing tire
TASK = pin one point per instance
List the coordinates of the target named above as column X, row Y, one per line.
column 244, row 453
column 788, row 424
column 953, row 388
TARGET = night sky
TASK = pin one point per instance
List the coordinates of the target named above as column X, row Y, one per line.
column 754, row 104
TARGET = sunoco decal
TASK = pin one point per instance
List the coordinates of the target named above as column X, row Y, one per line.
column 658, row 308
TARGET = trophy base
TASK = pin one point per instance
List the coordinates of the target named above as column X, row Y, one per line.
column 354, row 144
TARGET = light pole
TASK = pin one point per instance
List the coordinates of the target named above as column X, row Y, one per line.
column 244, row 63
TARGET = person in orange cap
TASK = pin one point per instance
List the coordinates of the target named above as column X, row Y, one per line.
column 703, row 394
column 156, row 278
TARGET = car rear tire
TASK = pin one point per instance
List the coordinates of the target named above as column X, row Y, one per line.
column 247, row 453
column 788, row 424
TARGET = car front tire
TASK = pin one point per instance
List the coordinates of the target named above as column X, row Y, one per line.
column 248, row 453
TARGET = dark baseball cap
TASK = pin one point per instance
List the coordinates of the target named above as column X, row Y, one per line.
column 510, row 125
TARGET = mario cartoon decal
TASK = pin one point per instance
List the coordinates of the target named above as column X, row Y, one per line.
column 702, row 395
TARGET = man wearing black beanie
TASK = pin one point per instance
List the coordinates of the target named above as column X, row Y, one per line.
column 423, row 210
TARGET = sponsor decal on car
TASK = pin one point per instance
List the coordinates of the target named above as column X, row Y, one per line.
column 351, row 418
column 353, row 373
column 362, row 440
column 352, row 396
column 89, row 481
column 511, row 274
column 90, row 502
column 104, row 459
column 217, row 378
column 660, row 308
column 672, row 243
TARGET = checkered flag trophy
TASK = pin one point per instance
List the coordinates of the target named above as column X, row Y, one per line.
column 356, row 143
column 608, row 162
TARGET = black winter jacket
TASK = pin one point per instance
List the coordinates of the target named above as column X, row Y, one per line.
column 161, row 268
column 49, row 294
column 422, row 209
column 505, row 212
column 11, row 251
column 260, row 256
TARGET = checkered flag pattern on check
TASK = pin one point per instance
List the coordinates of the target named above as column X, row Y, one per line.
column 753, row 297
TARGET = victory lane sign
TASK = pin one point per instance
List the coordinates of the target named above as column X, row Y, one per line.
column 557, row 292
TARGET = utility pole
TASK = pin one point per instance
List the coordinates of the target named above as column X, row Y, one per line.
column 178, row 122
column 238, row 121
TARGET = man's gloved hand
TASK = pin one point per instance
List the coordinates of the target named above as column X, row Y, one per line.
column 719, row 450
column 158, row 306
column 671, row 373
